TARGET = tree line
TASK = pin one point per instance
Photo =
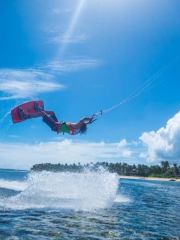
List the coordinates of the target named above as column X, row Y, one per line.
column 163, row 170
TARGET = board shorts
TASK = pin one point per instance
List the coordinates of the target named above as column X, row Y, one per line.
column 51, row 123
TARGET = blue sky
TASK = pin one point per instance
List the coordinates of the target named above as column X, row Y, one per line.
column 81, row 57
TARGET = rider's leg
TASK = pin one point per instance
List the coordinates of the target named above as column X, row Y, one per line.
column 38, row 109
column 49, row 112
column 52, row 115
column 42, row 114
column 38, row 114
column 48, row 120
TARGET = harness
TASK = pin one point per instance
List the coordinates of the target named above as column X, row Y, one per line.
column 63, row 127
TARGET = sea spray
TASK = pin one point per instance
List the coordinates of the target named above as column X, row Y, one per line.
column 13, row 185
column 87, row 191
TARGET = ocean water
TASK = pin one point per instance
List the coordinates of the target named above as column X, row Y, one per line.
column 91, row 205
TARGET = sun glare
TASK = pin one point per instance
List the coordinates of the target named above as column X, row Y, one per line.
column 68, row 34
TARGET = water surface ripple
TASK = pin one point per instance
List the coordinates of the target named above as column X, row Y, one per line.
column 87, row 206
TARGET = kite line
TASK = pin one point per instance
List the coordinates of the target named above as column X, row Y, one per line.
column 141, row 89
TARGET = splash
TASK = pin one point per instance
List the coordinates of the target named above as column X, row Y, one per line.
column 122, row 199
column 86, row 191
column 13, row 185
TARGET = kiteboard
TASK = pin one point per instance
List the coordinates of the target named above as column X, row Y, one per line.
column 27, row 107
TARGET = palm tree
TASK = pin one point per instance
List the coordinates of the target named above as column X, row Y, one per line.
column 165, row 166
column 175, row 169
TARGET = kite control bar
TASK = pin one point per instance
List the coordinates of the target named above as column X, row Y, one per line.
column 97, row 115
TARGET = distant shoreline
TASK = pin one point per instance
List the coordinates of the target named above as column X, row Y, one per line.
column 148, row 178
column 120, row 176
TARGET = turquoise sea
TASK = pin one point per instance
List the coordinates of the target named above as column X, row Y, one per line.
column 91, row 205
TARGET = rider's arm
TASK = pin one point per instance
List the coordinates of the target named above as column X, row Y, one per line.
column 86, row 119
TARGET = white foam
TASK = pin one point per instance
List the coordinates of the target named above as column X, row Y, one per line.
column 55, row 191
column 13, row 185
column 121, row 199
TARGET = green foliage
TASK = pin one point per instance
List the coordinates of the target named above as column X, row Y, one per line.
column 155, row 175
column 120, row 168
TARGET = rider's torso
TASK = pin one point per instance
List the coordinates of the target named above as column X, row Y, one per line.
column 67, row 128
column 73, row 131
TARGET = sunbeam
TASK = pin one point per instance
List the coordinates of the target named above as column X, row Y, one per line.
column 68, row 34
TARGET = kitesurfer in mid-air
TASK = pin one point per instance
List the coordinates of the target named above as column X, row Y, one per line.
column 52, row 121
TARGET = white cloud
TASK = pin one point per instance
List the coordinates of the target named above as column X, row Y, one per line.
column 165, row 143
column 122, row 143
column 71, row 65
column 65, row 38
column 58, row 11
column 13, row 136
column 126, row 153
column 25, row 83
column 52, row 29
column 135, row 143
column 23, row 156
column 143, row 155
column 59, row 34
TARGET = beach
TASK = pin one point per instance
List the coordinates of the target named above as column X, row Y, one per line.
column 148, row 178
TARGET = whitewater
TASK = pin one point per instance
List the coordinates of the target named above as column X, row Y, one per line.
column 88, row 205
column 87, row 191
